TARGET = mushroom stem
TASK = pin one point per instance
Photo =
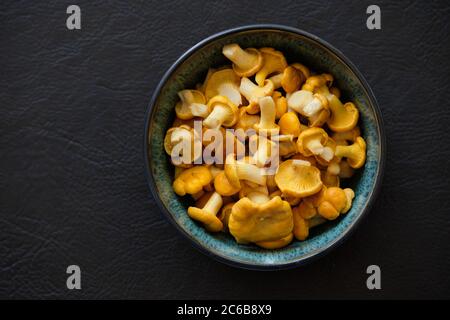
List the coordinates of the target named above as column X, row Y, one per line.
column 214, row 204
column 315, row 146
column 268, row 113
column 276, row 80
column 241, row 58
column 199, row 110
column 312, row 108
column 250, row 172
column 347, row 151
column 217, row 116
column 258, row 197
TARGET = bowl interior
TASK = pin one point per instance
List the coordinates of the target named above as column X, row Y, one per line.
column 191, row 70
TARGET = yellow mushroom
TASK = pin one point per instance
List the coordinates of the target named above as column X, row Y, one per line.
column 313, row 106
column 297, row 178
column 214, row 171
column 225, row 83
column 274, row 62
column 276, row 244
column 292, row 79
column 312, row 141
column 355, row 153
column 335, row 91
column 253, row 92
column 290, row 124
column 271, row 184
column 266, row 151
column 303, row 69
column 276, row 80
column 245, row 62
column 334, row 201
column 312, row 161
column 344, row 117
column 191, row 104
column 223, row 186
column 280, row 104
column 208, row 214
column 241, row 170
column 252, row 221
column 301, row 226
column 178, row 140
column 267, row 120
column 192, row 180
column 223, row 113
column 224, row 215
column 293, row 201
column 350, row 195
column 316, row 81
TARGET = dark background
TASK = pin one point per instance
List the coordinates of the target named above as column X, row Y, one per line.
column 72, row 179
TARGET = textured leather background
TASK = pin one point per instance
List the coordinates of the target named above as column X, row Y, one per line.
column 72, row 183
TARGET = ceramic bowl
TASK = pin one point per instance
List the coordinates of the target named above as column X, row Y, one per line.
column 298, row 46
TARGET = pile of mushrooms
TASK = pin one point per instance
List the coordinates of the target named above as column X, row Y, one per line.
column 320, row 145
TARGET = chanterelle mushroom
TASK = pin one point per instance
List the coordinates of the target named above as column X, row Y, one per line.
column 183, row 135
column 208, row 214
column 223, row 185
column 252, row 92
column 290, row 124
column 245, row 62
column 241, row 170
column 343, row 117
column 192, row 105
column 274, row 62
column 313, row 106
column 192, row 180
column 225, row 83
column 312, row 141
column 276, row 244
column 355, row 153
column 292, row 79
column 297, row 178
column 223, row 113
column 255, row 222
column 268, row 112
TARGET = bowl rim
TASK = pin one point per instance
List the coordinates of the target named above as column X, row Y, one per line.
column 381, row 159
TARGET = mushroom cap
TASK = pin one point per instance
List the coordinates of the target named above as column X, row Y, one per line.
column 192, row 180
column 329, row 144
column 303, row 69
column 223, row 186
column 308, row 135
column 182, row 109
column 310, row 159
column 274, row 61
column 305, row 209
column 357, row 151
column 231, row 171
column 334, row 202
column 231, row 107
column 301, row 225
column 298, row 180
column 247, row 188
column 224, row 82
column 290, row 124
column 343, row 117
column 252, row 222
column 255, row 60
column 211, row 221
column 292, row 79
column 350, row 194
column 276, row 244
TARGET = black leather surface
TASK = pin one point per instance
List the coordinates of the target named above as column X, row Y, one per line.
column 72, row 182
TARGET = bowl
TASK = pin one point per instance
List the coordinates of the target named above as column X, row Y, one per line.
column 298, row 46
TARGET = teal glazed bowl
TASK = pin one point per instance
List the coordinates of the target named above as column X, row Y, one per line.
column 298, row 46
